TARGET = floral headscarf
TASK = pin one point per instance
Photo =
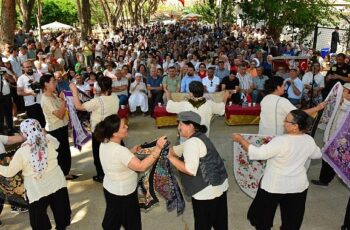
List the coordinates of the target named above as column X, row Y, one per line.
column 36, row 140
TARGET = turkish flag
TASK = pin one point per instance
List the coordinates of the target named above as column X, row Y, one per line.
column 303, row 64
column 182, row 2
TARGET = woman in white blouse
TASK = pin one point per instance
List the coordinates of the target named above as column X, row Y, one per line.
column 120, row 166
column 54, row 109
column 274, row 108
column 284, row 181
column 100, row 107
column 43, row 178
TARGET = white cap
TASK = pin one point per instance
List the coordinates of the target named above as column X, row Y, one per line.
column 4, row 60
column 347, row 86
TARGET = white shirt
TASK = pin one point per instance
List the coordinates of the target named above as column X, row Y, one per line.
column 192, row 150
column 3, row 141
column 205, row 111
column 271, row 121
column 244, row 81
column 110, row 74
column 5, row 86
column 211, row 85
column 319, row 79
column 286, row 156
column 52, row 179
column 23, row 82
column 84, row 87
column 298, row 84
column 119, row 179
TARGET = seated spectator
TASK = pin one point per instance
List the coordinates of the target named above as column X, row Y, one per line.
column 155, row 89
column 138, row 95
column 109, row 71
column 231, row 85
column 171, row 82
column 281, row 72
column 202, row 72
column 259, row 85
column 267, row 65
column 245, row 80
column 211, row 83
column 252, row 70
column 294, row 87
column 82, row 85
column 221, row 71
column 120, row 87
column 188, row 78
column 313, row 80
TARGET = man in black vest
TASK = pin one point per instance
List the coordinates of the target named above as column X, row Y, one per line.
column 335, row 40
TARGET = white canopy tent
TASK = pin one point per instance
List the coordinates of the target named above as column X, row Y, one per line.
column 56, row 26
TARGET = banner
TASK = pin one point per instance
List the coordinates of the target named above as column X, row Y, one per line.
column 336, row 152
column 80, row 135
column 333, row 100
column 249, row 172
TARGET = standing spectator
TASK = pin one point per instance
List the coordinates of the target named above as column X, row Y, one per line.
column 155, row 89
column 61, row 84
column 16, row 64
column 335, row 40
column 32, row 97
column 211, row 83
column 23, row 54
column 6, row 101
column 203, row 173
column 283, row 184
column 109, row 71
column 202, row 72
column 294, row 87
column 188, row 78
column 221, row 71
column 259, row 85
column 120, row 87
column 313, row 80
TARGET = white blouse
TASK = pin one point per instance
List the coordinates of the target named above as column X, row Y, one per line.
column 272, row 116
column 286, row 156
column 52, row 179
column 119, row 179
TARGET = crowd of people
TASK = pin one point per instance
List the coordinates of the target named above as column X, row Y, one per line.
column 142, row 67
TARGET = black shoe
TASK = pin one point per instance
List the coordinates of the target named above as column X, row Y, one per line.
column 98, row 178
column 71, row 177
column 319, row 183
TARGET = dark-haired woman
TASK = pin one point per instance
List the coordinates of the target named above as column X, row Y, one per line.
column 203, row 173
column 274, row 108
column 100, row 107
column 202, row 72
column 120, row 166
column 284, row 181
column 54, row 109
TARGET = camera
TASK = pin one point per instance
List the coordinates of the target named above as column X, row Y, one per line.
column 35, row 86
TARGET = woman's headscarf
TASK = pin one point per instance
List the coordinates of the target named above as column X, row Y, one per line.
column 36, row 140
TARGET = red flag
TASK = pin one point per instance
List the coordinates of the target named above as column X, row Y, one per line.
column 182, row 2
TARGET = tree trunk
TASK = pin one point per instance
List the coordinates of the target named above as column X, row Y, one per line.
column 7, row 23
column 26, row 8
column 86, row 16
column 38, row 20
column 80, row 17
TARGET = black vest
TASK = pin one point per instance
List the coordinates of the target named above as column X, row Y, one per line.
column 211, row 169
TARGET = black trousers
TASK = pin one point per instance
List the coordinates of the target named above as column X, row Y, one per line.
column 210, row 213
column 346, row 224
column 64, row 157
column 6, row 112
column 122, row 211
column 156, row 97
column 327, row 173
column 262, row 211
column 35, row 112
column 96, row 154
column 60, row 206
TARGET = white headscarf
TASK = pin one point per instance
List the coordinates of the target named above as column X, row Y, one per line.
column 36, row 140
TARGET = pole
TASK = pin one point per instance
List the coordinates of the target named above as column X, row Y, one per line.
column 315, row 37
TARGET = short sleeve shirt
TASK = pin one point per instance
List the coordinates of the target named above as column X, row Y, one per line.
column 171, row 83
column 230, row 84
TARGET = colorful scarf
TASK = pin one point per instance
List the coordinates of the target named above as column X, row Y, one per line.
column 36, row 140
column 80, row 135
column 197, row 102
column 336, row 152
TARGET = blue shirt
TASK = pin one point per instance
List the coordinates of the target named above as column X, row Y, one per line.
column 62, row 85
column 154, row 82
column 186, row 80
column 221, row 73
column 259, row 82
column 298, row 83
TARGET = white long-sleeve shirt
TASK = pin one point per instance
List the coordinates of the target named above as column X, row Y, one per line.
column 286, row 156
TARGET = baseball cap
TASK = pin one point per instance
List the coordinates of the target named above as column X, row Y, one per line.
column 347, row 86
column 189, row 116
